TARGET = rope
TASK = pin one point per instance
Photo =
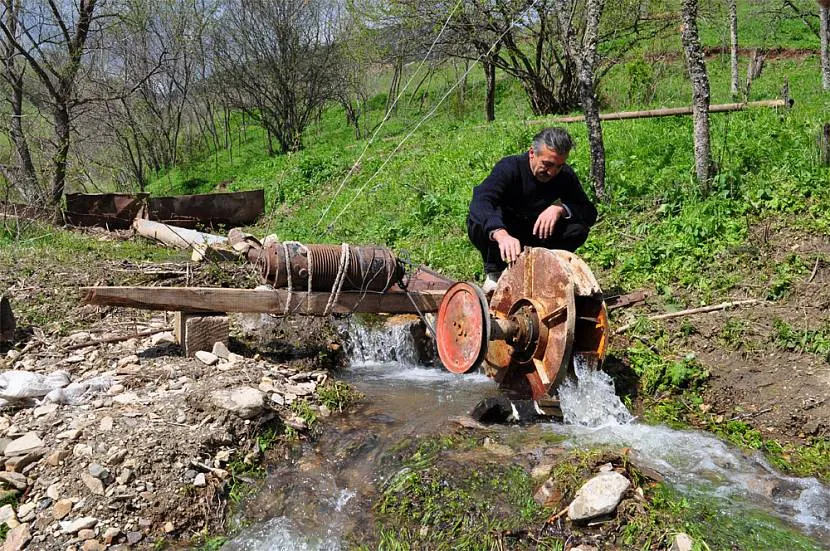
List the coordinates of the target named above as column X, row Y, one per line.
column 388, row 113
column 288, row 273
column 345, row 252
column 426, row 117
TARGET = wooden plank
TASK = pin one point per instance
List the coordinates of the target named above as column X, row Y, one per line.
column 273, row 301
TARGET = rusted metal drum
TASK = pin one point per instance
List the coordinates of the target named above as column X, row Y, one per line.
column 547, row 308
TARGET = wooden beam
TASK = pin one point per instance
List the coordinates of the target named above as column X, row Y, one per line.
column 272, row 301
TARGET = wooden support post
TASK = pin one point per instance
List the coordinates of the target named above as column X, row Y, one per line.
column 196, row 332
column 7, row 322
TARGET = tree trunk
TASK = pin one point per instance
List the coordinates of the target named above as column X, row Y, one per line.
column 700, row 93
column 733, row 47
column 60, row 158
column 590, row 105
column 490, row 97
column 825, row 49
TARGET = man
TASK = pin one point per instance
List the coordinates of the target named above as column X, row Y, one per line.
column 529, row 200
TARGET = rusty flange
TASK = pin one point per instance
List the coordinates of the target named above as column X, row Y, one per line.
column 462, row 328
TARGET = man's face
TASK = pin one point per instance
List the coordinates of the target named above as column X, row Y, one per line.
column 547, row 163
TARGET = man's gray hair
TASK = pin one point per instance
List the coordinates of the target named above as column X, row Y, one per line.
column 554, row 137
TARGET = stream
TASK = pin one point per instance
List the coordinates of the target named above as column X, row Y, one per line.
column 325, row 490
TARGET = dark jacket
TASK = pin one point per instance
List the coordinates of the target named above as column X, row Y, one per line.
column 511, row 195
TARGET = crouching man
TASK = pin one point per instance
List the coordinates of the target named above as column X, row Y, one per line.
column 529, row 200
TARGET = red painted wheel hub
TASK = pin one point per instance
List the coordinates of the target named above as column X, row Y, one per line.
column 462, row 327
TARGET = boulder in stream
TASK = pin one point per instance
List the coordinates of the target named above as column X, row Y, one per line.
column 599, row 496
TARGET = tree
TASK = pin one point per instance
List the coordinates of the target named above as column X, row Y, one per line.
column 584, row 53
column 278, row 63
column 23, row 175
column 700, row 91
column 824, row 34
column 734, row 86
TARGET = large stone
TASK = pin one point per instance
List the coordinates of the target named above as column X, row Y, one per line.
column 8, row 516
column 220, row 350
column 23, row 445
column 599, row 496
column 17, row 538
column 207, row 358
column 61, row 508
column 244, row 401
column 72, row 526
column 20, row 462
column 95, row 485
column 15, row 480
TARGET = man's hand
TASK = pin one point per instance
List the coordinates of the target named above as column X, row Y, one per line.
column 509, row 246
column 543, row 228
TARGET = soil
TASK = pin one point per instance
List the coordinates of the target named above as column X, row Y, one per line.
column 755, row 377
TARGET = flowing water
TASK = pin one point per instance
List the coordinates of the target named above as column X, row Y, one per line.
column 325, row 490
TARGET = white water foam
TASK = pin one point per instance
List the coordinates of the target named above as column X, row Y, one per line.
column 691, row 460
column 385, row 344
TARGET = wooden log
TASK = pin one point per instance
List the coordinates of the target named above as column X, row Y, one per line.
column 196, row 332
column 667, row 112
column 272, row 301
column 173, row 236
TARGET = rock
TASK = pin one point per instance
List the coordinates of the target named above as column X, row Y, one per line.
column 134, row 537
column 599, row 496
column 467, row 422
column 234, row 358
column 166, row 337
column 55, row 458
column 296, row 422
column 74, row 359
column 111, row 534
column 301, row 389
column 169, row 527
column 324, row 411
column 8, row 516
column 20, row 462
column 86, row 534
column 71, row 435
column 94, row 484
column 82, row 450
column 767, row 486
column 40, row 411
column 246, row 402
column 17, row 538
column 99, row 472
column 125, row 476
column 207, row 358
column 682, row 542
column 26, row 511
column 585, row 547
column 92, row 545
column 277, row 399
column 116, row 456
column 72, row 527
column 115, row 389
column 53, row 492
column 23, row 445
column 126, row 399
column 106, row 423
column 220, row 350
column 548, row 495
column 128, row 360
column 61, row 508
column 199, row 480
column 607, row 468
column 15, row 480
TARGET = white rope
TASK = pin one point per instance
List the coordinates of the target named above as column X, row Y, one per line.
column 345, row 252
column 386, row 116
column 288, row 273
column 310, row 276
column 427, row 116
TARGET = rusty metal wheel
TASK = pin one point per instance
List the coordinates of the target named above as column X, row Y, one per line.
column 462, row 328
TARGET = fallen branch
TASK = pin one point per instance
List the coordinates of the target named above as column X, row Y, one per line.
column 815, row 270
column 557, row 516
column 690, row 311
column 118, row 339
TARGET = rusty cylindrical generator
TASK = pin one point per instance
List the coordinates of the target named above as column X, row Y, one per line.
column 547, row 309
